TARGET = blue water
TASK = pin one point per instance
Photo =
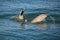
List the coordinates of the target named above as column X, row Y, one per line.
column 10, row 29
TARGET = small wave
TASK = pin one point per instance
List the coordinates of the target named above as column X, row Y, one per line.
column 7, row 15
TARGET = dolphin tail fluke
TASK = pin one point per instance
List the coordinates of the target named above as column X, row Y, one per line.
column 21, row 17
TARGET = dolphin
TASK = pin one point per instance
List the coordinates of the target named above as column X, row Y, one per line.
column 21, row 19
column 39, row 18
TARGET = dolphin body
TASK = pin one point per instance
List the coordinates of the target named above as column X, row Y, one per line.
column 39, row 18
column 21, row 19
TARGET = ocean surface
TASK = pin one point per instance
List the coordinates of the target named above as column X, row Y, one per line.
column 10, row 28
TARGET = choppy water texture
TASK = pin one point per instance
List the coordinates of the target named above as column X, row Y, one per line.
column 10, row 29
